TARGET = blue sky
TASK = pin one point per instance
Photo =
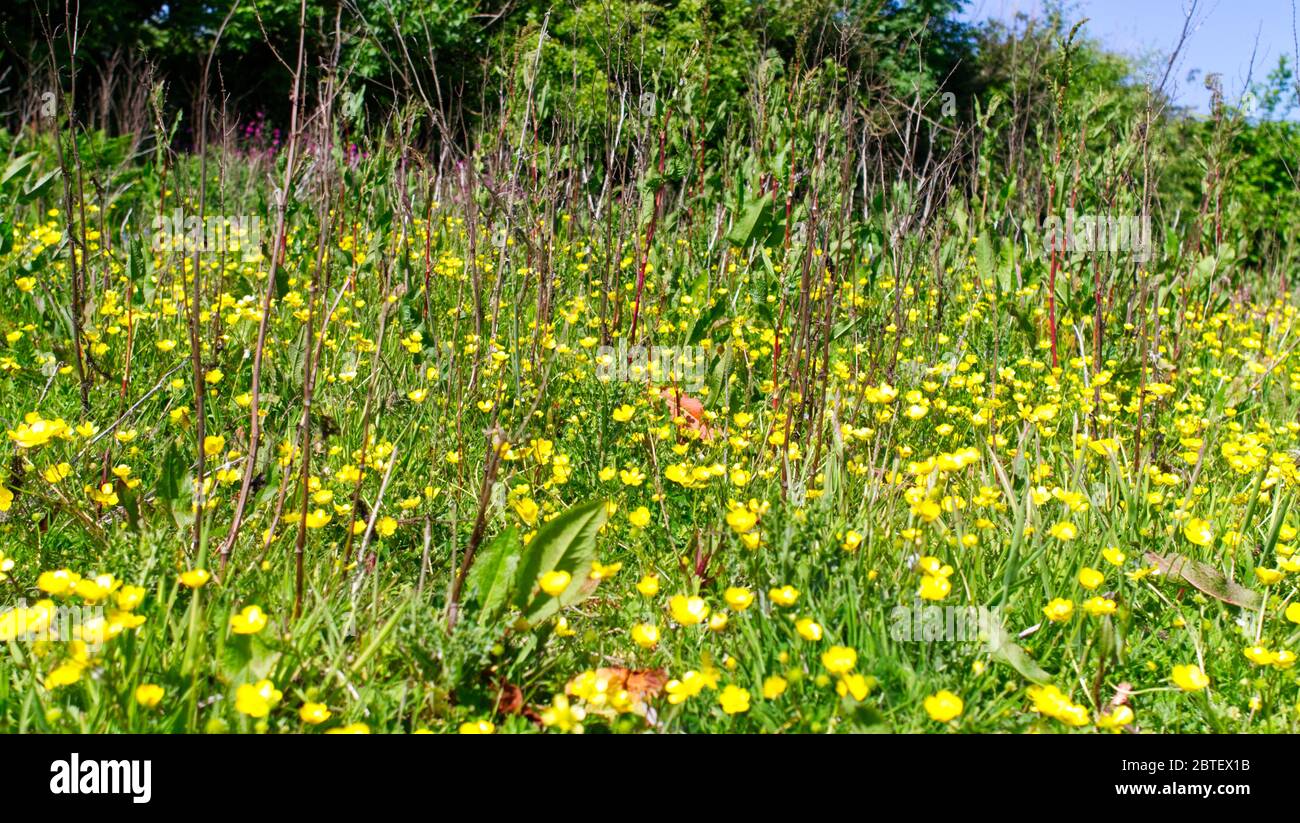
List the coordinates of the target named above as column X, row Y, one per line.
column 1223, row 36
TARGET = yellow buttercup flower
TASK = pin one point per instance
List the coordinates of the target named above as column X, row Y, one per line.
column 645, row 635
column 257, row 699
column 96, row 588
column 58, row 582
column 774, row 687
column 314, row 713
column 1190, row 678
column 688, row 611
column 734, row 700
column 527, row 509
column 784, row 596
column 738, row 599
column 35, row 431
column 555, row 582
column 1099, row 606
column 741, row 520
column 1052, row 702
column 1268, row 576
column 854, row 685
column 128, row 597
column 149, row 695
column 563, row 715
column 318, row 519
column 249, row 621
column 851, row 541
column 1293, row 612
column 65, row 674
column 934, row 587
column 195, row 578
column 57, row 473
column 943, row 706
column 1059, row 610
column 351, row 728
column 808, row 629
column 1198, row 531
column 1116, row 720
column 1090, row 578
column 1065, row 530
column 1259, row 655
column 839, row 659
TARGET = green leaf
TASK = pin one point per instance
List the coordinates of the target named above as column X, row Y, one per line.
column 706, row 321
column 263, row 659
column 235, row 655
column 742, row 231
column 16, row 167
column 863, row 716
column 36, row 189
column 174, row 469
column 135, row 252
column 984, row 256
column 492, row 578
column 1005, row 650
column 567, row 544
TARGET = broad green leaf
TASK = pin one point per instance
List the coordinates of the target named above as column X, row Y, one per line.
column 705, row 322
column 568, row 544
column 235, row 655
column 16, row 167
column 492, row 578
column 742, row 231
column 36, row 189
column 1005, row 650
column 174, row 470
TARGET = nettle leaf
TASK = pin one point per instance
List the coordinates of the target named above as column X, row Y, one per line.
column 567, row 544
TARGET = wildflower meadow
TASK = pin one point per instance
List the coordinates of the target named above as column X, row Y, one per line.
column 747, row 366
